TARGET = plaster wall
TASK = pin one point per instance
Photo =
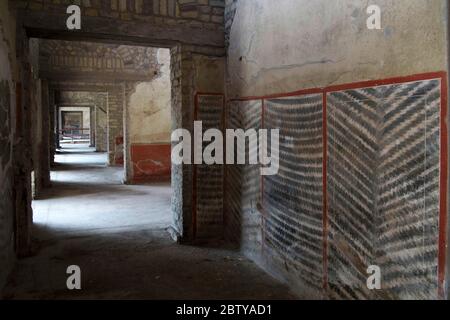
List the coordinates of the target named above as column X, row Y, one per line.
column 149, row 106
column 281, row 47
column 149, row 125
column 208, row 180
column 278, row 47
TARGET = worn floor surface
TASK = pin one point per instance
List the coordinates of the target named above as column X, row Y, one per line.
column 117, row 235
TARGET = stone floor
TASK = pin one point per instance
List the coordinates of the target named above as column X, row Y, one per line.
column 117, row 235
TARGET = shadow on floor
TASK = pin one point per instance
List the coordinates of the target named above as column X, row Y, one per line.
column 138, row 264
column 117, row 234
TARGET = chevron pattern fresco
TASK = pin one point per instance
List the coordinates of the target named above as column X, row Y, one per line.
column 383, row 190
column 408, row 204
column 210, row 177
column 293, row 199
column 243, row 185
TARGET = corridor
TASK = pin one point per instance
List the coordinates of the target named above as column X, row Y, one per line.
column 225, row 149
column 117, row 235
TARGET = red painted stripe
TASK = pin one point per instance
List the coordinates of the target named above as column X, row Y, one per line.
column 325, row 191
column 442, row 75
column 281, row 95
column 443, row 188
column 375, row 83
column 348, row 86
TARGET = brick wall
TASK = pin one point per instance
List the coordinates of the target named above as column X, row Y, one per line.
column 207, row 13
column 116, row 99
column 69, row 59
column 196, row 22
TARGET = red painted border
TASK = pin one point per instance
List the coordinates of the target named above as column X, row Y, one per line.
column 194, row 169
column 442, row 75
column 349, row 86
column 281, row 95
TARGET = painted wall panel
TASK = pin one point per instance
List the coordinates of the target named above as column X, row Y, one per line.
column 353, row 124
column 293, row 200
column 408, row 229
column 383, row 189
column 151, row 162
column 244, row 224
column 209, row 178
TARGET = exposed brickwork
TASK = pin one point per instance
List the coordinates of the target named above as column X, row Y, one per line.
column 177, row 202
column 190, row 28
column 101, row 109
column 207, row 12
column 116, row 99
column 178, row 15
column 66, row 59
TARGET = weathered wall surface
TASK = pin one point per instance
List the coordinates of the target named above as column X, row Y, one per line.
column 87, row 60
column 189, row 28
column 208, row 180
column 194, row 22
column 110, row 65
column 115, row 122
column 149, row 125
column 149, row 106
column 187, row 70
column 276, row 48
column 36, row 134
column 331, row 212
column 7, row 104
column 384, row 189
column 44, row 166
